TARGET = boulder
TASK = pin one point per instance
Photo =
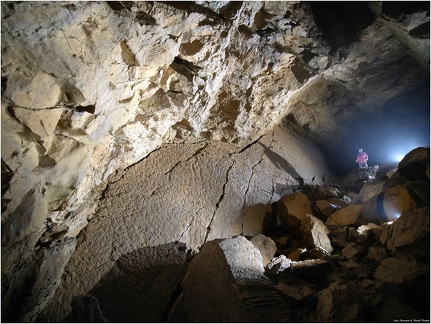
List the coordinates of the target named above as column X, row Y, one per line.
column 397, row 200
column 340, row 203
column 315, row 233
column 254, row 219
column 298, row 292
column 352, row 234
column 313, row 269
column 326, row 208
column 368, row 234
column 420, row 192
column 410, row 277
column 225, row 282
column 385, row 232
column 325, row 192
column 266, row 247
column 353, row 251
column 292, row 208
column 85, row 309
column 319, row 253
column 369, row 190
column 400, row 271
column 368, row 173
column 411, row 228
column 278, row 264
column 271, row 220
column 339, row 236
column 145, row 282
column 372, row 211
column 390, row 203
column 354, row 269
column 414, row 165
column 345, row 216
column 377, row 253
column 298, row 255
column 339, row 302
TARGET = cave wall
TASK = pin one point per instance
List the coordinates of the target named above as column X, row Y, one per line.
column 182, row 195
column 185, row 97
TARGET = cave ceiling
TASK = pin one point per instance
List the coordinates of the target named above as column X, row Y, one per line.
column 314, row 66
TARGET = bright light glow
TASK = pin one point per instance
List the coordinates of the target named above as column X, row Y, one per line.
column 399, row 157
column 400, row 126
column 392, row 210
column 401, row 151
column 396, row 215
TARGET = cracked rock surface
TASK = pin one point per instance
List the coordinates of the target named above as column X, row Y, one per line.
column 188, row 194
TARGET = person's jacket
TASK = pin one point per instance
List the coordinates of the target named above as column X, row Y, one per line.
column 362, row 157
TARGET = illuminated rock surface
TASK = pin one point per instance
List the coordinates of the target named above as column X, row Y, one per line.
column 136, row 133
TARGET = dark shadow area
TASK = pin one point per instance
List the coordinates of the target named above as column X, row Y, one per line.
column 341, row 21
column 399, row 9
column 281, row 164
column 90, row 109
column 143, row 285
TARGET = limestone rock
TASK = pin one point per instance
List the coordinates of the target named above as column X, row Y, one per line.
column 266, row 247
column 48, row 278
column 345, row 216
column 223, row 281
column 326, row 208
column 315, row 233
column 420, row 192
column 397, row 200
column 292, row 209
column 385, row 232
column 407, row 277
column 298, row 255
column 372, row 211
column 368, row 234
column 400, row 271
column 44, row 91
column 278, row 264
column 315, row 268
column 353, row 251
column 377, row 253
column 413, row 165
column 338, row 202
column 339, row 303
column 339, row 236
column 86, row 309
column 368, row 173
column 354, row 269
column 410, row 229
column 319, row 253
column 352, row 234
column 142, row 294
column 297, row 292
column 254, row 219
column 325, row 192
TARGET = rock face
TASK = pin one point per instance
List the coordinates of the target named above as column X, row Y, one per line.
column 131, row 130
column 339, row 303
column 226, row 280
